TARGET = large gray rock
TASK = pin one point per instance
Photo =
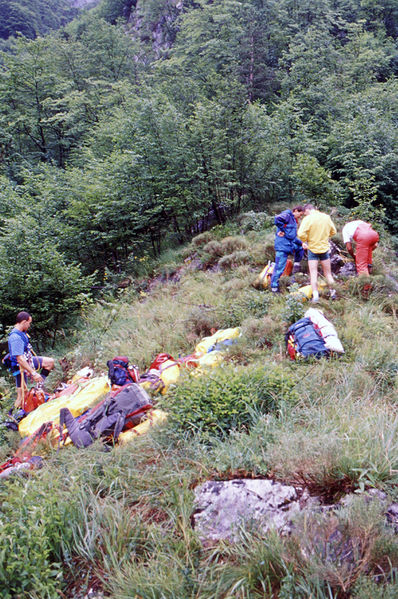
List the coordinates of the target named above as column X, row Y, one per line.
column 223, row 506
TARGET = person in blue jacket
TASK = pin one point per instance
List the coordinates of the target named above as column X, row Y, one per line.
column 286, row 242
column 23, row 361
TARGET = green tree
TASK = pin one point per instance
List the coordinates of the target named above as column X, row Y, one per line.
column 35, row 276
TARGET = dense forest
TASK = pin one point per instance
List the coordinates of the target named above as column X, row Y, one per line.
column 129, row 128
column 33, row 17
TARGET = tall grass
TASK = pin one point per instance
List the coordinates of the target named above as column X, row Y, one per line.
column 123, row 517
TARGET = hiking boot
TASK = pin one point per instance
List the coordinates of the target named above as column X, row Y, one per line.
column 296, row 268
column 274, row 290
column 332, row 294
column 315, row 300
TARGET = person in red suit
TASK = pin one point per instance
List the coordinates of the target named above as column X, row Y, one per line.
column 366, row 240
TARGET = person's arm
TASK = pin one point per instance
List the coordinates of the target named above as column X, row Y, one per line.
column 350, row 250
column 24, row 364
column 279, row 222
column 333, row 229
column 302, row 233
column 291, row 232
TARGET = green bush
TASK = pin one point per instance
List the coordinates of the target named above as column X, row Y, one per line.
column 34, row 524
column 295, row 305
column 234, row 311
column 201, row 239
column 255, row 221
column 229, row 399
column 234, row 259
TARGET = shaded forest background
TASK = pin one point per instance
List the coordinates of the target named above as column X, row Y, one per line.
column 128, row 126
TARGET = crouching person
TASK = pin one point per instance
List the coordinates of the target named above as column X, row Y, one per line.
column 286, row 242
column 23, row 362
column 366, row 240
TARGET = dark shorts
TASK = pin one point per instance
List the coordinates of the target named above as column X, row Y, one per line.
column 37, row 363
column 321, row 257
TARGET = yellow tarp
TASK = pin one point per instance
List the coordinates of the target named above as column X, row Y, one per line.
column 306, row 291
column 210, row 360
column 221, row 335
column 86, row 396
column 155, row 417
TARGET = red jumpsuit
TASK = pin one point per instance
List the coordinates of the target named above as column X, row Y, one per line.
column 366, row 240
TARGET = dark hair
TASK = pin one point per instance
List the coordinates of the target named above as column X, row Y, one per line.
column 21, row 316
column 309, row 207
column 298, row 209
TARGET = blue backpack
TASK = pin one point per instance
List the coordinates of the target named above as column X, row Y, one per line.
column 303, row 339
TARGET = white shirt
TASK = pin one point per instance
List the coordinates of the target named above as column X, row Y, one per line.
column 349, row 230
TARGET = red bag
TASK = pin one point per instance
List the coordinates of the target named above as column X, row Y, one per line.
column 33, row 399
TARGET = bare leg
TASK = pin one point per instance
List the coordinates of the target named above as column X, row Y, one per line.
column 327, row 271
column 48, row 363
column 18, row 401
column 313, row 268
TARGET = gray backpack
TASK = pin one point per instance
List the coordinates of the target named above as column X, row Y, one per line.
column 120, row 409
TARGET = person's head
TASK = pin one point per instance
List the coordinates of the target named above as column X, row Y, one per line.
column 308, row 208
column 298, row 212
column 24, row 320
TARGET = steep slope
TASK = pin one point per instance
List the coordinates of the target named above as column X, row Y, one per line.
column 121, row 520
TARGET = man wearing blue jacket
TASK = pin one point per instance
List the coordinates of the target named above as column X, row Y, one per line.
column 286, row 242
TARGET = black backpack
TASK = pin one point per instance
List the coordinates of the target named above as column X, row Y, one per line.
column 120, row 409
column 120, row 373
column 303, row 339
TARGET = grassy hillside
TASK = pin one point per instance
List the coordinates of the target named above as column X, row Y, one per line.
column 120, row 521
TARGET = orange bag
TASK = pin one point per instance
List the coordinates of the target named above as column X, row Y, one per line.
column 288, row 269
column 33, row 399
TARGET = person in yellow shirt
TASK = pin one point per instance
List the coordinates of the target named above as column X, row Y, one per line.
column 315, row 231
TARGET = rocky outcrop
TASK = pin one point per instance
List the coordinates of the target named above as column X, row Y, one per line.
column 155, row 24
column 224, row 506
column 83, row 3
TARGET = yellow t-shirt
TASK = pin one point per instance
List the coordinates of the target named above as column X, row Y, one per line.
column 316, row 228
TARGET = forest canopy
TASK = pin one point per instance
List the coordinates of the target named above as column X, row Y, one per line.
column 33, row 17
column 125, row 129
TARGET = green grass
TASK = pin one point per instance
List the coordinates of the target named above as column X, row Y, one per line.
column 121, row 520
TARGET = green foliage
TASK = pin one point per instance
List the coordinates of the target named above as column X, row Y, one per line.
column 294, row 305
column 34, row 526
column 233, row 311
column 32, row 17
column 364, row 191
column 254, row 221
column 229, row 398
column 35, row 276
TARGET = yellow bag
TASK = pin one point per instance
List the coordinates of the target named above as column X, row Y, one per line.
column 264, row 278
column 210, row 360
column 154, row 418
column 218, row 337
column 306, row 291
column 169, row 373
column 85, row 397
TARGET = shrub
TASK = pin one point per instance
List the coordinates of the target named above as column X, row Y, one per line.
column 255, row 221
column 233, row 244
column 34, row 524
column 201, row 240
column 212, row 251
column 202, row 320
column 261, row 332
column 250, row 303
column 294, row 306
column 234, row 259
column 229, row 399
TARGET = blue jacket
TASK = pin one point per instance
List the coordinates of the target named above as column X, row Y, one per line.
column 286, row 222
column 18, row 345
